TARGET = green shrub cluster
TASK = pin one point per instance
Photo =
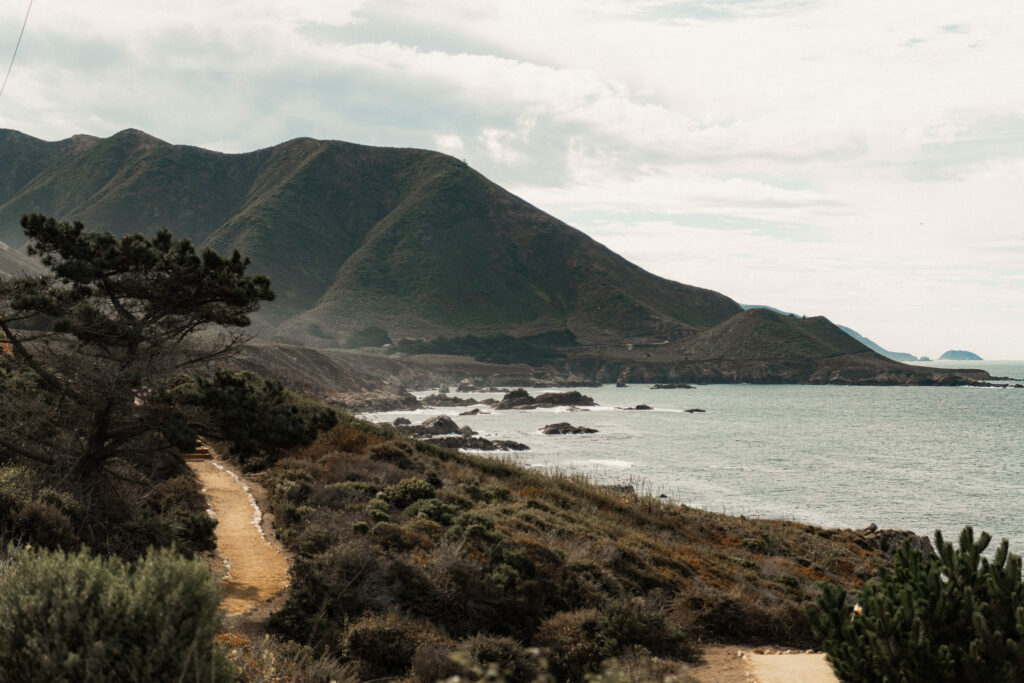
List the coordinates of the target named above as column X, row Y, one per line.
column 953, row 615
column 46, row 510
column 77, row 617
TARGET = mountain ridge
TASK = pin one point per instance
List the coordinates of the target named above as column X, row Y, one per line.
column 351, row 234
column 419, row 244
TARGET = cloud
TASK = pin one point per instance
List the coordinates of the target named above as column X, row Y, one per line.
column 820, row 153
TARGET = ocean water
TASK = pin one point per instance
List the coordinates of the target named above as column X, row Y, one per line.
column 917, row 458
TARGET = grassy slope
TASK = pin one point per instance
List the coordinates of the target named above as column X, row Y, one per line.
column 511, row 552
column 354, row 236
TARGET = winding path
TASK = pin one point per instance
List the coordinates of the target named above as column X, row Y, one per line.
column 256, row 571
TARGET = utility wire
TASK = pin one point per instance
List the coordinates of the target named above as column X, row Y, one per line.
column 16, row 46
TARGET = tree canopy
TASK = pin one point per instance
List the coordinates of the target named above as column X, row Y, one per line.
column 96, row 338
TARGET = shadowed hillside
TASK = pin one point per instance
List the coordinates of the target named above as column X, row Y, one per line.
column 411, row 241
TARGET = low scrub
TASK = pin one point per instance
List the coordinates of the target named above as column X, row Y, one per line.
column 491, row 559
column 77, row 617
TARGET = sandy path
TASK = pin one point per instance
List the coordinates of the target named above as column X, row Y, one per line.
column 256, row 571
column 732, row 664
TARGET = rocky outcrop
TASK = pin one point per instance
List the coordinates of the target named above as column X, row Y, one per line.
column 434, row 426
column 566, row 428
column 446, row 401
column 520, row 399
column 443, row 431
column 888, row 541
column 478, row 443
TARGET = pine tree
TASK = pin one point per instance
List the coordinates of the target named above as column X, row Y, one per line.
column 99, row 336
column 950, row 616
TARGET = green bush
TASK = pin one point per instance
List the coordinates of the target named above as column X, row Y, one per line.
column 579, row 641
column 383, row 645
column 949, row 616
column 432, row 509
column 406, row 492
column 76, row 617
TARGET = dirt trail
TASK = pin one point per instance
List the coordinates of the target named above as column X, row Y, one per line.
column 256, row 571
column 732, row 664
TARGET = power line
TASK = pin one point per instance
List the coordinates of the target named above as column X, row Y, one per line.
column 16, row 46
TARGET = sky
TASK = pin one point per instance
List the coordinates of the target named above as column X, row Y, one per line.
column 862, row 161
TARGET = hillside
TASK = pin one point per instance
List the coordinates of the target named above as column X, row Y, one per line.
column 406, row 552
column 761, row 346
column 13, row 262
column 877, row 348
column 351, row 236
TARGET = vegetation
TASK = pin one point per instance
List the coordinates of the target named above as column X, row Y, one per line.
column 953, row 615
column 408, row 554
column 536, row 349
column 260, row 418
column 77, row 617
column 89, row 445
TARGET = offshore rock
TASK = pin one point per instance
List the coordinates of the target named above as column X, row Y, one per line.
column 477, row 443
column 519, row 399
column 566, row 428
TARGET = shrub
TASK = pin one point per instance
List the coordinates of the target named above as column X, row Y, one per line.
column 579, row 641
column 572, row 642
column 266, row 660
column 406, row 492
column 394, row 452
column 383, row 645
column 80, row 617
column 515, row 663
column 432, row 509
column 948, row 616
column 335, row 586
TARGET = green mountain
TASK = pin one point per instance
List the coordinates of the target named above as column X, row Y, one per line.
column 877, row 348
column 411, row 241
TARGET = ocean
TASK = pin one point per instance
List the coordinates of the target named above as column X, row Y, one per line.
column 917, row 458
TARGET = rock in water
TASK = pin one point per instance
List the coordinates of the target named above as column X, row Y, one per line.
column 566, row 428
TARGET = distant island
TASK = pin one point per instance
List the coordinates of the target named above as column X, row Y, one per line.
column 955, row 354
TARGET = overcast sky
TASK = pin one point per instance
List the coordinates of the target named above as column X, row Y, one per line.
column 861, row 160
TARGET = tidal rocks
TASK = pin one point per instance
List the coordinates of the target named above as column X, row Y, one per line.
column 446, row 401
column 566, row 428
column 475, row 411
column 434, row 426
column 478, row 443
column 443, row 431
column 672, row 386
column 520, row 399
